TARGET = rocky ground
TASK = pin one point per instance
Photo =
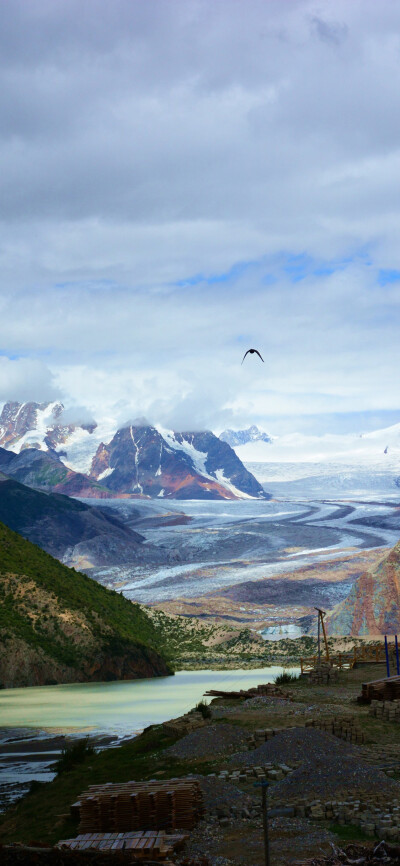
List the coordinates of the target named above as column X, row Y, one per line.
column 321, row 768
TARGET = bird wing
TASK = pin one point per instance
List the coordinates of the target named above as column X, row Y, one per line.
column 246, row 353
column 256, row 350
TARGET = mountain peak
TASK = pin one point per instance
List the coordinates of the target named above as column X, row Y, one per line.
column 137, row 459
column 242, row 437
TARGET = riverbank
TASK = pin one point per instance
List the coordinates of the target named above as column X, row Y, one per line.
column 36, row 721
column 44, row 814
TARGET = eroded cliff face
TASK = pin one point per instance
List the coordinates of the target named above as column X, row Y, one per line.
column 373, row 604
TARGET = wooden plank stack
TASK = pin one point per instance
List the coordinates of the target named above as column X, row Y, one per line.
column 140, row 846
column 387, row 689
column 132, row 806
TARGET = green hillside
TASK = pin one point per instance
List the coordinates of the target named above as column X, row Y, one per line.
column 57, row 625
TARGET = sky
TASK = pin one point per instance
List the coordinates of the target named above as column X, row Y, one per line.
column 181, row 181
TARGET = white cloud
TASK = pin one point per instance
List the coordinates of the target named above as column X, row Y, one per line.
column 24, row 379
column 154, row 142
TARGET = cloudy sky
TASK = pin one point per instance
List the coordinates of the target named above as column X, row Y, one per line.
column 182, row 180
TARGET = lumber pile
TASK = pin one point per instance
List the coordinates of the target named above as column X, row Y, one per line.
column 132, row 806
column 140, row 846
column 322, row 675
column 387, row 689
column 268, row 690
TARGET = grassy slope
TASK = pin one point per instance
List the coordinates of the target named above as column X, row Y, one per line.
column 113, row 620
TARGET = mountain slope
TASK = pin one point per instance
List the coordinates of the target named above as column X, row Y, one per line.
column 59, row 625
column 373, row 604
column 70, row 530
column 144, row 460
column 45, row 471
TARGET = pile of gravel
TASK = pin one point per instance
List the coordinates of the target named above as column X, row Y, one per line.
column 329, row 766
column 293, row 744
column 210, row 741
column 218, row 793
column 334, row 776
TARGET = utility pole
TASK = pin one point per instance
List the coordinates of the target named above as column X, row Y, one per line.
column 264, row 806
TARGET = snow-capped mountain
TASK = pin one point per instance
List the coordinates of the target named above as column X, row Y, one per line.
column 137, row 460
column 43, row 426
column 242, row 437
column 157, row 462
column 380, row 448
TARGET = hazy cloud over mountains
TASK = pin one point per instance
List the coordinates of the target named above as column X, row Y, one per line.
column 182, row 180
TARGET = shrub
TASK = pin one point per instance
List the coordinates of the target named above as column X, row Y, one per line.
column 73, row 753
column 203, row 708
column 286, row 677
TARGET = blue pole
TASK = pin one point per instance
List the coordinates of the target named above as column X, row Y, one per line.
column 387, row 657
column 397, row 654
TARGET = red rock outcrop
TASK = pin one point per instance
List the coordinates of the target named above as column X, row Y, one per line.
column 373, row 604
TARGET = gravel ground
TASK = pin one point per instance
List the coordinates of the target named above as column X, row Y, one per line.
column 294, row 744
column 210, row 741
column 242, row 843
column 334, row 776
column 329, row 765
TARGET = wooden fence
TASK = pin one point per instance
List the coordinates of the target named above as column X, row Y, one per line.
column 364, row 654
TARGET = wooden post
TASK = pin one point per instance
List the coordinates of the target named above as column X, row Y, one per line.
column 265, row 822
column 264, row 807
column 325, row 637
column 387, row 656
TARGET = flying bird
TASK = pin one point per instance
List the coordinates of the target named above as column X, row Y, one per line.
column 251, row 352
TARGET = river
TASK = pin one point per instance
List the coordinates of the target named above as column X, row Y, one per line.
column 34, row 721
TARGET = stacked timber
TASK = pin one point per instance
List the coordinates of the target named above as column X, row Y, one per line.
column 140, row 846
column 387, row 689
column 132, row 806
column 343, row 727
column 388, row 710
column 267, row 690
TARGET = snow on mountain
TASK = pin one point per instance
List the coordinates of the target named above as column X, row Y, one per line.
column 379, row 448
column 152, row 461
column 41, row 426
column 242, row 437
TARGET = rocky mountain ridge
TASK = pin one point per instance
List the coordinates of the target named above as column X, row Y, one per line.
column 135, row 461
column 72, row 531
